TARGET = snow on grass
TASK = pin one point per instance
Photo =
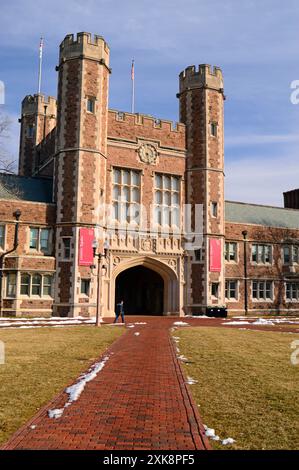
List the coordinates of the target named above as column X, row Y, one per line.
column 7, row 322
column 191, row 381
column 228, row 441
column 262, row 321
column 181, row 323
column 74, row 391
column 209, row 432
column 183, row 358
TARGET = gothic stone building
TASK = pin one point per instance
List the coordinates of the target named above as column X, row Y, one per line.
column 89, row 174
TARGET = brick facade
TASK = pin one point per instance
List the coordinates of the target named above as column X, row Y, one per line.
column 91, row 154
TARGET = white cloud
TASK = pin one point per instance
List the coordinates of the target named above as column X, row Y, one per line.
column 261, row 181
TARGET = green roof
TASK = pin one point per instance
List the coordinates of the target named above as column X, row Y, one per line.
column 25, row 189
column 261, row 215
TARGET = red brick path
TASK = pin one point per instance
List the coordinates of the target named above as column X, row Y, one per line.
column 138, row 401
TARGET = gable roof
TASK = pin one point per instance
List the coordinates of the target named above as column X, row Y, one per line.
column 261, row 215
column 25, row 189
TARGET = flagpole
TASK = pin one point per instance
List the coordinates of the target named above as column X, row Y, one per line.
column 40, row 64
column 133, row 86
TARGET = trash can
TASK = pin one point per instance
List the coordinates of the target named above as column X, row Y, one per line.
column 216, row 312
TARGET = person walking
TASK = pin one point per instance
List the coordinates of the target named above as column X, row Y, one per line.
column 120, row 312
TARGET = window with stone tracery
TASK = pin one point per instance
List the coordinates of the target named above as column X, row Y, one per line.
column 167, row 200
column 126, row 195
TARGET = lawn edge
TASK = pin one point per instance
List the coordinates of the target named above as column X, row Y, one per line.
column 195, row 421
column 13, row 439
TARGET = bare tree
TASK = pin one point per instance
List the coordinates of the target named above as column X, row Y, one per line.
column 7, row 164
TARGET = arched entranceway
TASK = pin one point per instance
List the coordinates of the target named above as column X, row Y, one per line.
column 172, row 289
column 142, row 291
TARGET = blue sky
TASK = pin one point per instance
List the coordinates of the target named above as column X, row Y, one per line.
column 256, row 43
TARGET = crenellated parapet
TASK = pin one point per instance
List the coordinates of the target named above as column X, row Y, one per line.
column 35, row 104
column 146, row 120
column 203, row 77
column 86, row 46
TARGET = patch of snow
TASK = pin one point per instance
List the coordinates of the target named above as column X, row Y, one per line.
column 30, row 326
column 74, row 391
column 140, row 323
column 182, row 358
column 237, row 323
column 33, row 426
column 181, row 323
column 228, row 441
column 131, row 326
column 191, row 381
column 56, row 413
column 137, row 333
column 210, row 432
column 262, row 321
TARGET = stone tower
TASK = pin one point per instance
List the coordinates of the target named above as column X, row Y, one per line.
column 38, row 119
column 80, row 167
column 201, row 110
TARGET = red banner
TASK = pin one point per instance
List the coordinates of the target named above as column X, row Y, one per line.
column 215, row 255
column 85, row 246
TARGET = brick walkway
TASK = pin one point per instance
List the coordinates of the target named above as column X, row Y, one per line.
column 138, row 401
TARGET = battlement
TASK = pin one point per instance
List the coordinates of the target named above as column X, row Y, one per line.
column 84, row 44
column 33, row 104
column 204, row 76
column 146, row 120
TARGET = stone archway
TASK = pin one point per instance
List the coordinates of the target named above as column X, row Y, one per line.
column 171, row 288
column 142, row 291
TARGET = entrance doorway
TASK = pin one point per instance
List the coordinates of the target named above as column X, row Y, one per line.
column 142, row 291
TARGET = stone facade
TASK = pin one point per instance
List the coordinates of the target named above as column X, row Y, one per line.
column 103, row 161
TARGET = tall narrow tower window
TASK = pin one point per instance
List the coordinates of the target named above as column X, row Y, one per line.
column 30, row 131
column 213, row 128
column 91, row 105
column 214, row 209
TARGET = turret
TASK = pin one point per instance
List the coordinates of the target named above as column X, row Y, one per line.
column 38, row 118
column 80, row 160
column 201, row 110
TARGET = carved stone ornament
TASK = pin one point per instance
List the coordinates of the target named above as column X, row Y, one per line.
column 172, row 264
column 146, row 244
column 148, row 154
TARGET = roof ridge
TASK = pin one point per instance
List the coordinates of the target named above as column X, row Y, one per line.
column 262, row 205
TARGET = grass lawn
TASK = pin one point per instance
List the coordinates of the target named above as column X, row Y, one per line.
column 247, row 387
column 40, row 362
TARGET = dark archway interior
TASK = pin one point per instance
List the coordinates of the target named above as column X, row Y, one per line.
column 141, row 289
